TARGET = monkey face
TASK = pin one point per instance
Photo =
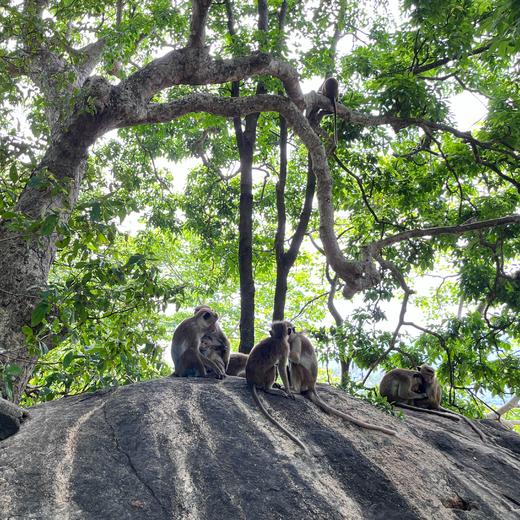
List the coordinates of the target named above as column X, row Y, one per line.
column 207, row 319
column 428, row 374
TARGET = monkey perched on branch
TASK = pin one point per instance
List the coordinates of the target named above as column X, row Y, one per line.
column 330, row 89
column 419, row 390
column 261, row 366
column 186, row 356
column 303, row 371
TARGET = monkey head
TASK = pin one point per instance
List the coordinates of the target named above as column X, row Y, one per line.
column 279, row 329
column 206, row 319
column 427, row 373
column 200, row 307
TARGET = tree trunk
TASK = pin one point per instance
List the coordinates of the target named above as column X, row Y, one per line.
column 245, row 246
column 285, row 259
column 282, row 270
column 343, row 359
column 26, row 257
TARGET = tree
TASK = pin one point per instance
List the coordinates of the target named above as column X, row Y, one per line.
column 377, row 229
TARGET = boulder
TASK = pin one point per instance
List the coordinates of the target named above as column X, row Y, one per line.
column 183, row 448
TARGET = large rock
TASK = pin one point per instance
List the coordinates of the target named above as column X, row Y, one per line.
column 200, row 449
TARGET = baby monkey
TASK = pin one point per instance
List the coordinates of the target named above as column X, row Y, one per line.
column 303, row 371
column 214, row 344
column 237, row 364
column 261, row 366
column 186, row 356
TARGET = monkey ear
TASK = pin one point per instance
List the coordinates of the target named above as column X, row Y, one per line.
column 418, row 368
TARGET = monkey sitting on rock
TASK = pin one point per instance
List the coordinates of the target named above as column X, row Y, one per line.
column 214, row 344
column 262, row 363
column 237, row 364
column 419, row 390
column 303, row 372
column 186, row 339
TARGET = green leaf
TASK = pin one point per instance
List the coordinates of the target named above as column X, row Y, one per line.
column 49, row 224
column 68, row 359
column 28, row 332
column 13, row 173
column 12, row 370
column 39, row 313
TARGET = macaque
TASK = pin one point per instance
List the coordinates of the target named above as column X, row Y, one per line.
column 214, row 344
column 330, row 89
column 428, row 387
column 186, row 356
column 261, row 371
column 401, row 385
column 303, row 371
column 237, row 364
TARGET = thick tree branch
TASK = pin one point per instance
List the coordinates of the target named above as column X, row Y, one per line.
column 194, row 66
column 510, row 405
column 443, row 230
column 314, row 100
column 358, row 275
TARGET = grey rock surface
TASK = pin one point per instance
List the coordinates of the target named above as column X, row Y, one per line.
column 178, row 448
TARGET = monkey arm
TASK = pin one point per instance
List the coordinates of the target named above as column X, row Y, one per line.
column 404, row 393
column 296, row 350
column 209, row 363
column 282, row 369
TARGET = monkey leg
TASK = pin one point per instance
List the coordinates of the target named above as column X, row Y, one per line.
column 315, row 398
column 275, row 391
column 190, row 365
column 296, row 378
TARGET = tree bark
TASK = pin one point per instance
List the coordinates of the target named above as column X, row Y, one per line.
column 245, row 231
column 285, row 259
column 344, row 361
column 27, row 257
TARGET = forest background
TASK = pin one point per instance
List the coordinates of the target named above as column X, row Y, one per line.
column 156, row 155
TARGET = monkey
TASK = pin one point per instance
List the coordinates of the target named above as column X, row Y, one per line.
column 213, row 352
column 402, row 385
column 261, row 371
column 237, row 364
column 428, row 387
column 186, row 356
column 330, row 89
column 303, row 371
column 216, row 344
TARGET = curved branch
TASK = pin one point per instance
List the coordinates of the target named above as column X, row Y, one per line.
column 443, row 230
column 314, row 100
column 194, row 66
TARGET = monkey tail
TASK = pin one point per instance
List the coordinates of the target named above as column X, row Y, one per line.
column 335, row 123
column 274, row 421
column 467, row 421
column 426, row 410
column 313, row 396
